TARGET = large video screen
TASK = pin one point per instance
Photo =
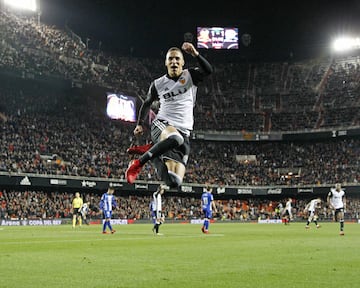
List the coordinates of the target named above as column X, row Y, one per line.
column 218, row 37
column 121, row 107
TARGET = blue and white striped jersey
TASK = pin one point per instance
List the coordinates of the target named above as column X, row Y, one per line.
column 107, row 202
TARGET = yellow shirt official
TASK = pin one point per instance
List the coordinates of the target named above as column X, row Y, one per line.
column 77, row 203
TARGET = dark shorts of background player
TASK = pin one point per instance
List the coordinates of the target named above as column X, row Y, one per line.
column 337, row 211
column 179, row 154
column 77, row 212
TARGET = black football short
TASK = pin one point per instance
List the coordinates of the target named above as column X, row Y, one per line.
column 178, row 154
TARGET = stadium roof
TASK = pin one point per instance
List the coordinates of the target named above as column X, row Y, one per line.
column 277, row 28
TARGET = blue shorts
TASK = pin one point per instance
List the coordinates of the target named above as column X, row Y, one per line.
column 207, row 213
column 107, row 214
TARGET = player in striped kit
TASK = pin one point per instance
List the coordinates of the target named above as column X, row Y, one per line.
column 170, row 131
column 84, row 210
column 107, row 203
column 337, row 201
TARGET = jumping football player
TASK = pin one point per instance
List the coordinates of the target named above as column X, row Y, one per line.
column 170, row 131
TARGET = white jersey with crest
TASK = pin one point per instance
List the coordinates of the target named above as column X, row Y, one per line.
column 177, row 100
column 336, row 198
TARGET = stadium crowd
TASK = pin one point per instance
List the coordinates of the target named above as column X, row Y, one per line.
column 311, row 94
column 73, row 141
column 52, row 129
column 57, row 205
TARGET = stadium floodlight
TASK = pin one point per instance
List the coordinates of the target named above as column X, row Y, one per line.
column 346, row 44
column 22, row 4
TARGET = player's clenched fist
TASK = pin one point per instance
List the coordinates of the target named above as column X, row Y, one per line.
column 190, row 49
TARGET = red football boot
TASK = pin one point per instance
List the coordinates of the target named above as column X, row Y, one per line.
column 133, row 171
column 139, row 150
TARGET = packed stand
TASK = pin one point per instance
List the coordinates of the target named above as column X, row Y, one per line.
column 52, row 129
column 57, row 205
column 258, row 97
column 64, row 131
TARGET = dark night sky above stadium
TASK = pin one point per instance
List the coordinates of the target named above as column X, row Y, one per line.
column 150, row 26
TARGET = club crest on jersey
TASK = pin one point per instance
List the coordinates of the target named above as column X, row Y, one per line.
column 182, row 80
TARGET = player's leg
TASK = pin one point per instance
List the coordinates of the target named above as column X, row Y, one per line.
column 291, row 217
column 162, row 218
column 138, row 150
column 171, row 166
column 283, row 217
column 109, row 222
column 161, row 169
column 104, row 227
column 170, row 138
column 286, row 217
column 341, row 220
column 335, row 215
column 209, row 216
column 205, row 227
column 176, row 173
column 154, row 225
column 157, row 225
column 85, row 219
column 74, row 219
column 79, row 219
column 105, row 224
column 165, row 138
column 158, row 222
column 310, row 218
column 316, row 217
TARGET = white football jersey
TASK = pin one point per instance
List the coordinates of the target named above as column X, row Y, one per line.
column 336, row 198
column 313, row 204
column 288, row 205
column 177, row 100
column 157, row 201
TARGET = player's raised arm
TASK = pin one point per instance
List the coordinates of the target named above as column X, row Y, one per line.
column 190, row 49
column 144, row 109
column 205, row 66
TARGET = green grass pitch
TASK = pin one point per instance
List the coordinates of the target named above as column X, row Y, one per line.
column 233, row 255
